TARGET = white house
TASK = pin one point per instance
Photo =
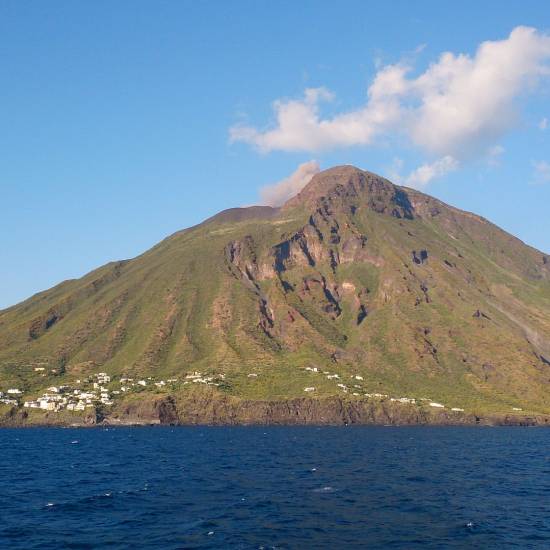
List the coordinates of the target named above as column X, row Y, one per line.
column 47, row 405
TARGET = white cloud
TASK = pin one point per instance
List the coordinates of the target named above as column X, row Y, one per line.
column 278, row 193
column 457, row 108
column 541, row 172
column 424, row 174
column 394, row 172
column 543, row 124
column 300, row 128
column 494, row 155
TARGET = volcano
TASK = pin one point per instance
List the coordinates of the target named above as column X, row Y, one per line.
column 356, row 291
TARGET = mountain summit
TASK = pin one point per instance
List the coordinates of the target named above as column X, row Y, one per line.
column 356, row 290
column 345, row 179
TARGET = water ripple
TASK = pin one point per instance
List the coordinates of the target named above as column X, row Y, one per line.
column 275, row 488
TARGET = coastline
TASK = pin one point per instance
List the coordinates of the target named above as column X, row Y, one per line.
column 231, row 411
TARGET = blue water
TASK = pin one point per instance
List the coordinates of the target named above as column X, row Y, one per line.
column 299, row 487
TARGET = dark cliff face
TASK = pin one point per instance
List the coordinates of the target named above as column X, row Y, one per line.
column 354, row 276
column 215, row 410
column 332, row 411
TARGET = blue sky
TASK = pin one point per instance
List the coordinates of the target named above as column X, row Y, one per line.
column 122, row 122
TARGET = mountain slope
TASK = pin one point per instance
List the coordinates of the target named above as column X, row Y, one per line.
column 354, row 276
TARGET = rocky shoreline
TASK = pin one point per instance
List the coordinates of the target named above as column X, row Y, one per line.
column 231, row 411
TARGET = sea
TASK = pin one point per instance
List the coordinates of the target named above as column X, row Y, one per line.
column 275, row 487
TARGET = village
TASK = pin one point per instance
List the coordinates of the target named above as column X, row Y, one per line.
column 96, row 390
column 90, row 392
column 99, row 390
